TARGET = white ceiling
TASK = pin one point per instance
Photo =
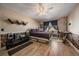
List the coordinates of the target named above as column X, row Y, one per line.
column 28, row 9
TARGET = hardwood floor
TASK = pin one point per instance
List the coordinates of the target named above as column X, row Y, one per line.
column 34, row 49
column 55, row 48
column 3, row 52
column 59, row 49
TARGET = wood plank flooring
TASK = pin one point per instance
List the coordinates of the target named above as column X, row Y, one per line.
column 60, row 49
column 55, row 48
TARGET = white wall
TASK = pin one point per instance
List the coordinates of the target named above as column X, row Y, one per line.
column 74, row 20
column 6, row 13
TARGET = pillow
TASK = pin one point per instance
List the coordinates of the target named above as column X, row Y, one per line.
column 40, row 30
column 52, row 29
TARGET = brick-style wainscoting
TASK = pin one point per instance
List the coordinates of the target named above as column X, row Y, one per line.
column 74, row 39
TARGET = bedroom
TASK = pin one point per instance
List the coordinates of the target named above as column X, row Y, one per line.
column 39, row 29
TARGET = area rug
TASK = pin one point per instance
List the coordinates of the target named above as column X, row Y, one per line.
column 12, row 51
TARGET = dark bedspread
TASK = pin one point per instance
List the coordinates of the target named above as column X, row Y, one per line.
column 41, row 34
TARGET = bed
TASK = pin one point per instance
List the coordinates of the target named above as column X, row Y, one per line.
column 40, row 34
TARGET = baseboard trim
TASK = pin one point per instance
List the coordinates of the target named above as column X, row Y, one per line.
column 73, row 46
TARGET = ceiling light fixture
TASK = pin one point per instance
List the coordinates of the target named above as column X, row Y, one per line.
column 41, row 9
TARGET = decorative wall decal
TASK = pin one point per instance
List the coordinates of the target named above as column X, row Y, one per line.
column 17, row 22
column 10, row 21
column 23, row 23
